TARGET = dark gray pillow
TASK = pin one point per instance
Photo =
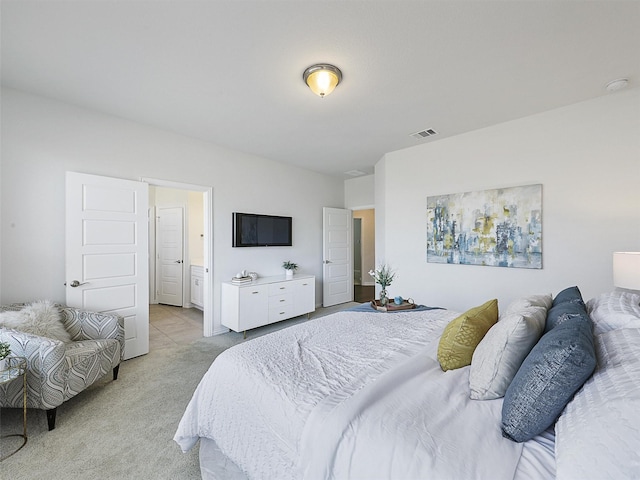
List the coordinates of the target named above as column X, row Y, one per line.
column 570, row 294
column 562, row 360
column 566, row 304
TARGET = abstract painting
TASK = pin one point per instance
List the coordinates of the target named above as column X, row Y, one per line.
column 500, row 227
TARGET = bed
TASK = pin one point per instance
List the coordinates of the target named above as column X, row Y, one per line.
column 361, row 394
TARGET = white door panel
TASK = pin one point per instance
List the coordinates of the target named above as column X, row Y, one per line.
column 338, row 262
column 109, row 265
column 107, row 251
column 170, row 234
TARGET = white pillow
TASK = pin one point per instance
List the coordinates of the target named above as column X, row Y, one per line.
column 531, row 301
column 498, row 357
column 614, row 310
column 39, row 318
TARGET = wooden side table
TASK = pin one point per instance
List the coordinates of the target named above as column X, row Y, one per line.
column 16, row 367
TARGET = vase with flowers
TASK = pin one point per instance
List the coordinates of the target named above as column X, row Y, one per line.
column 383, row 275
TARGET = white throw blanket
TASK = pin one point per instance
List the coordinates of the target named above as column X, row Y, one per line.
column 350, row 395
column 414, row 421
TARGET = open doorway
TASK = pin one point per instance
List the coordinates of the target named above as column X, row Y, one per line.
column 180, row 266
column 364, row 254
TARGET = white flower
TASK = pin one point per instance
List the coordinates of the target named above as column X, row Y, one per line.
column 383, row 275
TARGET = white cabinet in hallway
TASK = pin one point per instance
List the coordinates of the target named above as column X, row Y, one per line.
column 197, row 280
column 266, row 300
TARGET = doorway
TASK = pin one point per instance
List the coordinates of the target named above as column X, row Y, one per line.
column 196, row 201
column 170, row 254
column 364, row 253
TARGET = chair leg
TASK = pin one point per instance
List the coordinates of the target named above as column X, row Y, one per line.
column 115, row 372
column 51, row 418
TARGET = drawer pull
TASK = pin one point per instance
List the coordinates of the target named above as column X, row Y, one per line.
column 282, row 288
column 254, row 293
column 281, row 313
column 282, row 301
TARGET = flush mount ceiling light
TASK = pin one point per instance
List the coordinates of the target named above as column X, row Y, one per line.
column 322, row 78
column 616, row 85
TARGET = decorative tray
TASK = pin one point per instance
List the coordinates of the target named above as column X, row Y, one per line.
column 392, row 307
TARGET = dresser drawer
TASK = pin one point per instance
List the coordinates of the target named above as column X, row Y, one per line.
column 280, row 312
column 280, row 300
column 280, row 288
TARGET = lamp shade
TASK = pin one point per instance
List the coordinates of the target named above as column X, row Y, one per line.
column 626, row 270
column 322, row 78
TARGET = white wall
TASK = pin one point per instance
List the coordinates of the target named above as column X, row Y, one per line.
column 587, row 158
column 41, row 139
column 359, row 192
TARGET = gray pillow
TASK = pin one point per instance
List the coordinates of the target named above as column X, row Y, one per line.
column 556, row 368
column 566, row 304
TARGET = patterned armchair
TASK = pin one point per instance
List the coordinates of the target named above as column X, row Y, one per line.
column 57, row 371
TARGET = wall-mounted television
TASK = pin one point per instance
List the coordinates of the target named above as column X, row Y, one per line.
column 254, row 230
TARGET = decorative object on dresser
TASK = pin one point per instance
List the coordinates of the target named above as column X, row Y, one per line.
column 66, row 352
column 241, row 278
column 289, row 268
column 267, row 300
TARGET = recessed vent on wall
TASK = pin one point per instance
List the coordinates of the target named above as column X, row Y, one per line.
column 424, row 133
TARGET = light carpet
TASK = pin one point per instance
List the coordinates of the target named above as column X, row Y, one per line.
column 123, row 429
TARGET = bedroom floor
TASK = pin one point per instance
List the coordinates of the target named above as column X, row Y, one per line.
column 170, row 326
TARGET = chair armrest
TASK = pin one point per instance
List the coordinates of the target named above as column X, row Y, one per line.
column 46, row 365
column 86, row 325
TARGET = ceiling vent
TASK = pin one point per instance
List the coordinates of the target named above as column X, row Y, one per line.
column 424, row 133
column 354, row 173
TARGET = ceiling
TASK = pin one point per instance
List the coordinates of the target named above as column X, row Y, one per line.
column 230, row 72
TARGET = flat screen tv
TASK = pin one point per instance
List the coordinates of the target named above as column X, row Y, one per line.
column 253, row 230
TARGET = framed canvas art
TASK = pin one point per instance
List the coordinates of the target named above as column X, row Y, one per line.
column 500, row 227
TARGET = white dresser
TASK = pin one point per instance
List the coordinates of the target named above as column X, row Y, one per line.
column 267, row 300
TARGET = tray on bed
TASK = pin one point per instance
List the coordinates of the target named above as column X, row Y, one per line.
column 392, row 307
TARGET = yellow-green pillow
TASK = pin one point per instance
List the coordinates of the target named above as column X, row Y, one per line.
column 463, row 334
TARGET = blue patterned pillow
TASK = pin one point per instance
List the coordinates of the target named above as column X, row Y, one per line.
column 567, row 303
column 556, row 368
column 570, row 294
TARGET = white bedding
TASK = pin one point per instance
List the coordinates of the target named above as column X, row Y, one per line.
column 594, row 442
column 357, row 395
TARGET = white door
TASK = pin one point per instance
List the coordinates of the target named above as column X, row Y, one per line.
column 107, row 252
column 337, row 271
column 169, row 248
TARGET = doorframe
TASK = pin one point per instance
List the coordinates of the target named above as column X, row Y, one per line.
column 357, row 240
column 365, row 207
column 207, row 300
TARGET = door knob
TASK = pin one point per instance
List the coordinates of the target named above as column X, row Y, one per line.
column 76, row 283
column 178, row 261
column 327, row 261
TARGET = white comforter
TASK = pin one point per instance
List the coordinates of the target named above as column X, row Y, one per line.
column 351, row 395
